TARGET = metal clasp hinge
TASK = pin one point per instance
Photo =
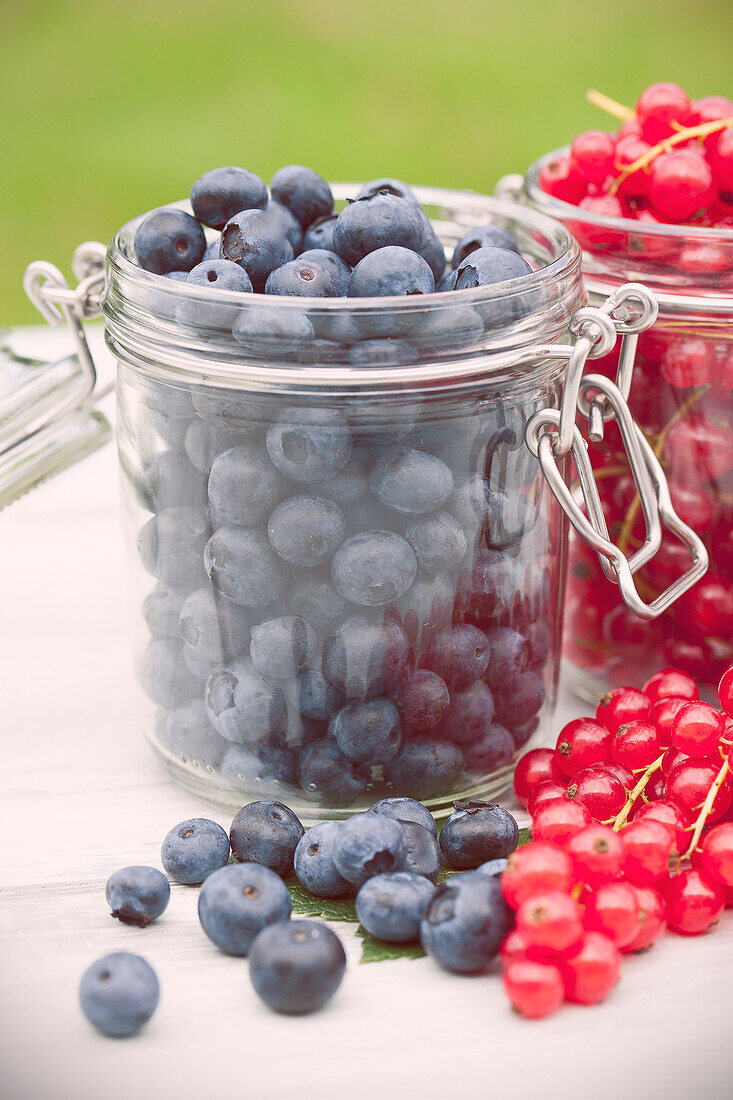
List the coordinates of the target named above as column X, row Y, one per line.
column 551, row 435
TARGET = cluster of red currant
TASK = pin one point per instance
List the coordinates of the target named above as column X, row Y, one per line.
column 671, row 161
column 622, row 842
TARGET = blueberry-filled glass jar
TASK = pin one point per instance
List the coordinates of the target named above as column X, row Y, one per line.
column 682, row 397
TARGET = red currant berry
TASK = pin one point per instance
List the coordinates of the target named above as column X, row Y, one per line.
column 597, row 854
column 698, row 449
column 602, row 794
column 689, row 783
column 546, row 792
column 618, row 771
column 725, row 691
column 652, row 917
column 680, row 183
column 694, row 506
column 649, row 846
column 561, row 179
column 668, row 813
column 689, row 361
column 722, row 160
column 658, row 107
column 636, row 745
column 707, row 608
column 581, row 743
column 670, row 682
column 694, row 902
column 592, row 154
column 710, row 108
column 620, row 706
column 698, row 729
column 557, row 821
column 612, row 909
column 672, row 757
column 628, row 151
column 535, row 767
column 535, row 990
column 550, row 922
column 590, row 975
column 629, row 128
column 663, row 714
column 716, row 853
column 514, row 946
column 533, row 869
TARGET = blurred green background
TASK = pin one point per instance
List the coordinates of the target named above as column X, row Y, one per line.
column 111, row 108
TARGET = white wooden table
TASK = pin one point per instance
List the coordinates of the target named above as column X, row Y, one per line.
column 81, row 794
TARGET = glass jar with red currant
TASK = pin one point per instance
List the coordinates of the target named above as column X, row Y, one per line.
column 653, row 203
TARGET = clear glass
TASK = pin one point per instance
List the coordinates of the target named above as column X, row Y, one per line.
column 682, row 396
column 349, row 568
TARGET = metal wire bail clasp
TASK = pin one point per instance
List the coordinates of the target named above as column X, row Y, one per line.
column 551, row 435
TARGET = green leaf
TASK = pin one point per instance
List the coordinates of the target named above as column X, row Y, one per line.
column 306, row 905
column 377, row 951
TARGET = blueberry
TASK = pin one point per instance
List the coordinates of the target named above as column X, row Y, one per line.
column 364, row 658
column 476, row 832
column 319, row 234
column 290, row 224
column 256, row 240
column 314, row 865
column 509, row 656
column 281, row 647
column 390, row 907
column 301, row 279
column 188, row 735
column 242, row 566
column 223, row 192
column 317, row 601
column 426, row 609
column 161, row 609
column 241, row 706
column 373, row 568
column 493, row 749
column 410, row 481
column 391, row 271
column 423, row 853
column 238, row 901
column 486, row 236
column 350, row 484
column 439, row 542
column 296, row 967
column 488, row 589
column 447, row 331
column 469, row 503
column 406, row 810
column 432, row 250
column 306, row 530
column 163, row 675
column 169, row 480
column 309, row 444
column 425, row 768
column 380, row 353
column 171, row 545
column 368, row 732
column 374, row 426
column 387, row 185
column 459, row 654
column 337, row 268
column 316, row 698
column 521, row 734
column 213, row 252
column 488, row 265
column 375, row 222
column 212, row 313
column 215, row 627
column 327, row 776
column 470, row 713
column 194, row 849
column 519, row 701
column 303, row 192
column 369, row 844
column 493, row 867
column 244, row 770
column 119, row 993
column 243, row 486
column 169, row 240
column 267, row 833
column 447, row 282
column 465, row 923
column 203, row 442
column 137, row 895
column 507, row 518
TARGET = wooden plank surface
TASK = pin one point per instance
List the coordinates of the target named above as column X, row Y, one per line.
column 81, row 794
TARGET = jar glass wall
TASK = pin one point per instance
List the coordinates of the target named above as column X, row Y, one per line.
column 349, row 568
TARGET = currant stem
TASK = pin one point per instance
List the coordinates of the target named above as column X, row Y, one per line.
column 706, row 808
column 610, row 106
column 638, row 789
column 684, row 133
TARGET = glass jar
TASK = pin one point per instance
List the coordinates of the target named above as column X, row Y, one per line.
column 682, row 396
column 349, row 568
